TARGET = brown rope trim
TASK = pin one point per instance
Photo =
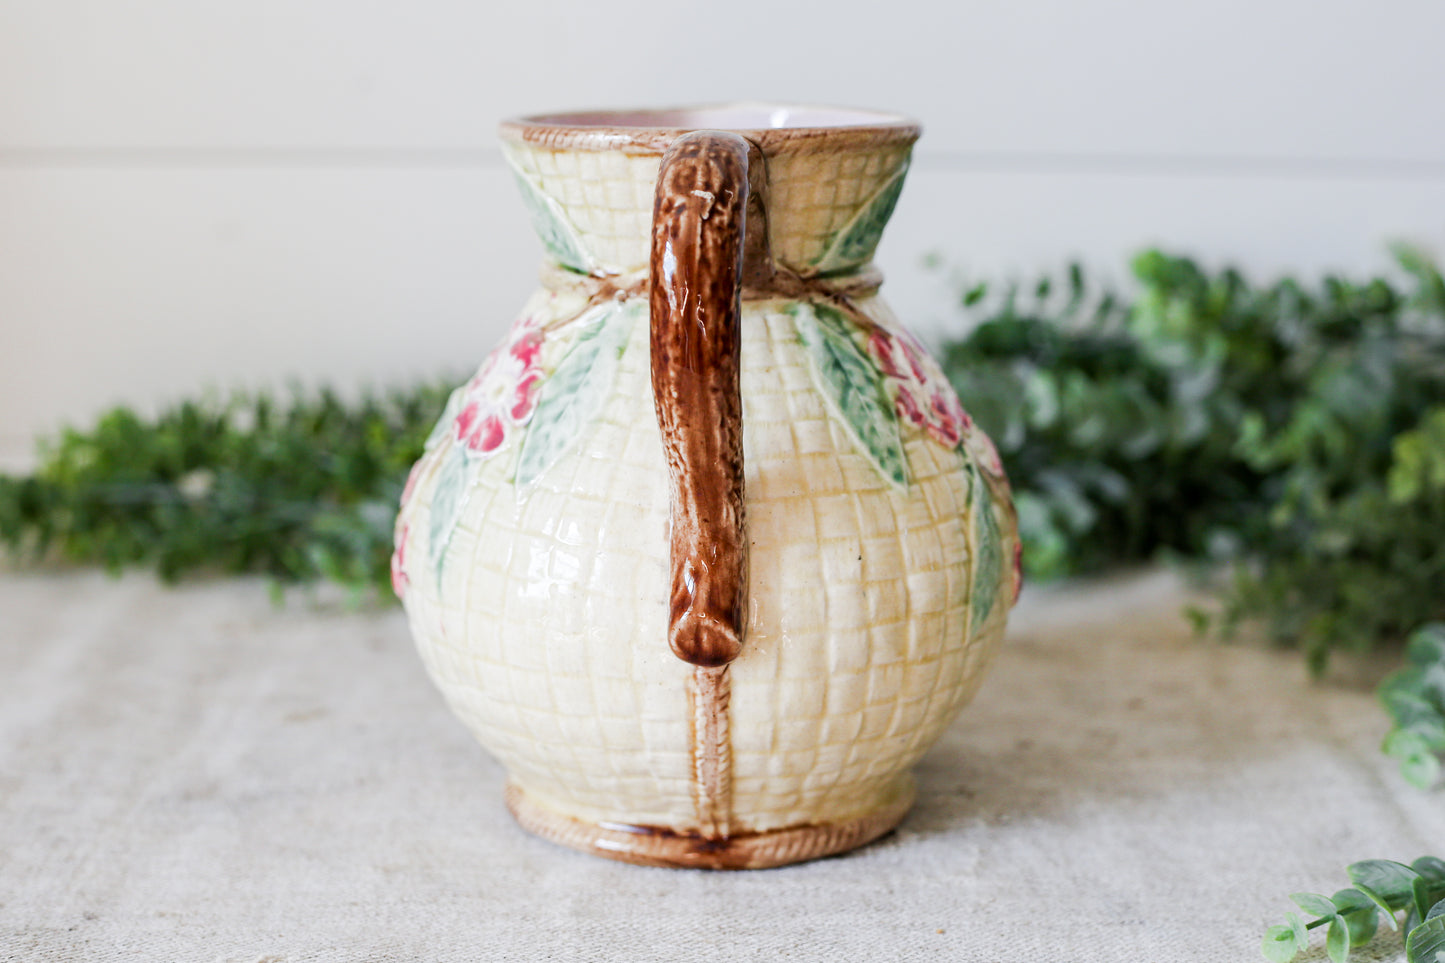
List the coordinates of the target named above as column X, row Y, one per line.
column 841, row 290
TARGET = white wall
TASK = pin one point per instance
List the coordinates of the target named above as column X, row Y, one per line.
column 199, row 193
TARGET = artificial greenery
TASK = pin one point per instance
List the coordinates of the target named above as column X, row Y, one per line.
column 300, row 490
column 1381, row 888
column 1294, row 433
column 1414, row 696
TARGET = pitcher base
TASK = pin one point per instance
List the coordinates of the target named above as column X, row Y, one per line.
column 655, row 846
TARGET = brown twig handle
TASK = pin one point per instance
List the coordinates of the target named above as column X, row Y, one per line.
column 696, row 272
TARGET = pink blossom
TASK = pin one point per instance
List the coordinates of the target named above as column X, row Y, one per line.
column 399, row 580
column 503, row 393
column 1018, row 573
column 921, row 394
column 947, row 420
column 883, row 349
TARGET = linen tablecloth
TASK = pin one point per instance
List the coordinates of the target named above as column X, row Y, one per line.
column 197, row 774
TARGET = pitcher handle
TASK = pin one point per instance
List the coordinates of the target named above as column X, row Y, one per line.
column 698, row 224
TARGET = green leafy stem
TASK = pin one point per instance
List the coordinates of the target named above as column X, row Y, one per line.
column 1380, row 889
column 301, row 489
column 1414, row 696
column 1289, row 435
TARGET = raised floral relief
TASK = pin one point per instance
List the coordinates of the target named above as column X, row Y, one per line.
column 448, row 499
column 1018, row 570
column 855, row 243
column 880, row 378
column 895, row 368
column 399, row 579
column 921, row 394
column 522, row 384
column 550, row 222
column 850, row 382
column 577, row 390
column 988, row 558
column 479, row 418
column 502, row 395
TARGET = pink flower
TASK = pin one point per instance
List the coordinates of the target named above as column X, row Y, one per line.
column 921, row 394
column 503, row 393
column 1018, row 568
column 411, row 478
column 399, row 580
column 947, row 420
column 885, row 352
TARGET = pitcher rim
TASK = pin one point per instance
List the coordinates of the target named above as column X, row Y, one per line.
column 652, row 130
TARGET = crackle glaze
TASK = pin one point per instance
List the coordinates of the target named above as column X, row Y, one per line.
column 707, row 553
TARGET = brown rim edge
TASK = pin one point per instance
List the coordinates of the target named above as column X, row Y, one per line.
column 547, row 130
column 646, row 846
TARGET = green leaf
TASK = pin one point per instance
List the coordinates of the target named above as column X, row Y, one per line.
column 1430, row 867
column 1421, row 770
column 988, row 547
column 1280, row 944
column 1337, row 941
column 855, row 243
column 1426, row 731
column 1426, row 942
column 1387, row 879
column 1314, row 904
column 448, row 500
column 1300, row 931
column 576, row 392
column 1379, row 902
column 1432, row 686
column 1416, row 753
column 556, row 232
column 1421, row 896
column 1359, row 913
column 1402, row 695
column 1432, row 285
column 852, row 387
column 1427, row 645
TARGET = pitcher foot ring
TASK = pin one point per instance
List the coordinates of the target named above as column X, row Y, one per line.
column 654, row 846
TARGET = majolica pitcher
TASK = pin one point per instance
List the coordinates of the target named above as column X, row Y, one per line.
column 707, row 553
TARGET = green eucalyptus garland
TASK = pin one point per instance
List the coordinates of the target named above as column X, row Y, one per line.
column 1414, row 696
column 1381, row 888
column 300, row 490
column 1293, row 435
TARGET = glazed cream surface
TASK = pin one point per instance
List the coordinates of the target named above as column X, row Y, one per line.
column 546, row 626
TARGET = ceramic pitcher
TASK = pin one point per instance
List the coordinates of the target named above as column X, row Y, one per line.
column 707, row 553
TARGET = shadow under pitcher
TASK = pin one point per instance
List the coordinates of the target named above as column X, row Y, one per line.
column 707, row 553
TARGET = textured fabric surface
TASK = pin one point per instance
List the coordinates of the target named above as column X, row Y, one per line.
column 193, row 774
